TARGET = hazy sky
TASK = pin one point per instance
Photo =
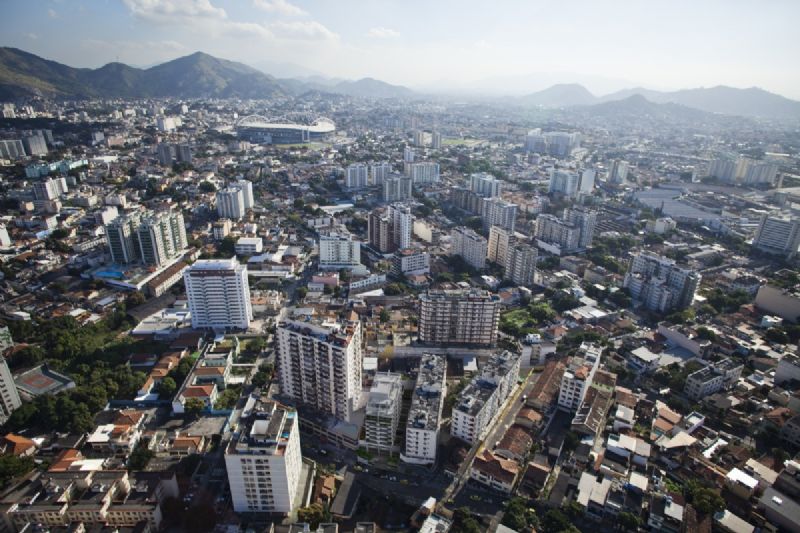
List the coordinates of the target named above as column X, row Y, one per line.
column 607, row 44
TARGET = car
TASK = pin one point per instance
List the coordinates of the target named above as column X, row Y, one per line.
column 475, row 497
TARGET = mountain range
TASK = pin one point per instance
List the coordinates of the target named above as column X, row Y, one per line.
column 194, row 76
column 752, row 102
column 200, row 75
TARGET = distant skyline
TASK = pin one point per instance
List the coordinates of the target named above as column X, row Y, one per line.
column 506, row 46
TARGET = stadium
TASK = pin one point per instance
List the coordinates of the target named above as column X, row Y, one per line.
column 257, row 129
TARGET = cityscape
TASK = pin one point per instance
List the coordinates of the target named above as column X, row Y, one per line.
column 246, row 296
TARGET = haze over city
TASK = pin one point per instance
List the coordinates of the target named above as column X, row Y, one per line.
column 317, row 266
column 453, row 45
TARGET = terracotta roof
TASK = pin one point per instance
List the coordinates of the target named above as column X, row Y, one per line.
column 210, row 371
column 495, row 467
column 516, row 440
column 187, row 442
column 531, row 415
column 779, row 416
column 19, row 444
column 669, row 415
column 129, row 417
column 198, row 391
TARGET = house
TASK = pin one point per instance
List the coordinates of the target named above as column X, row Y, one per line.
column 17, row 445
column 119, row 437
column 183, row 445
column 495, row 472
column 741, row 483
column 515, row 444
column 666, row 514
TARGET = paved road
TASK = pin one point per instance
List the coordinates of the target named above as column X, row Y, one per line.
column 496, row 431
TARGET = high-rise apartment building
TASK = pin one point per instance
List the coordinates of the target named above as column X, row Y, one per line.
column 425, row 414
column 659, row 283
column 357, row 176
column 500, row 240
column 122, row 239
column 484, row 397
column 557, row 236
column 564, row 182
column 460, row 316
column 183, row 153
column 397, row 189
column 469, row 245
column 9, row 397
column 485, row 185
column 383, row 412
column 408, row 154
column 12, row 149
column 723, row 168
column 263, row 459
column 338, row 249
column 247, row 192
column 498, row 212
column 760, row 173
column 230, row 203
column 49, row 188
column 165, row 154
column 777, row 235
column 378, row 172
column 520, row 265
column 161, row 237
column 35, row 145
column 584, row 220
column 319, row 362
column 422, row 172
column 390, row 229
column 617, row 172
column 436, row 140
column 218, row 294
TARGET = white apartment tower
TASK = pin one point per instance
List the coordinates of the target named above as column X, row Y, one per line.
column 356, row 176
column 378, row 172
column 425, row 414
column 498, row 212
column 469, row 245
column 319, row 363
column 9, row 397
column 219, row 294
column 500, row 241
column 338, row 249
column 122, row 239
column 247, row 193
column 520, row 265
column 397, row 189
column 230, row 203
column 778, row 235
column 585, row 220
column 659, row 283
column 383, row 412
column 263, row 459
column 618, row 172
column 161, row 237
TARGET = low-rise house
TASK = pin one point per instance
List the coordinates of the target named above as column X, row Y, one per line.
column 665, row 514
column 495, row 472
column 515, row 444
column 17, row 445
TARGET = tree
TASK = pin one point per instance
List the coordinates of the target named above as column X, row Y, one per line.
column 776, row 335
column 12, row 466
column 465, row 522
column 257, row 344
column 313, row 515
column 139, row 457
column 705, row 499
column 384, row 317
column 515, row 515
column 301, row 293
column 227, row 247
column 555, row 521
column 393, row 289
column 166, row 388
column 207, row 186
column 193, row 407
column 628, row 521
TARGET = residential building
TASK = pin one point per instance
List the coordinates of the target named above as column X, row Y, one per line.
column 218, row 294
column 425, row 413
column 390, row 229
column 123, row 240
column 721, row 375
column 500, row 240
column 422, row 172
column 584, row 220
column 183, row 153
column 411, row 262
column 247, row 192
column 617, row 172
column 788, row 369
column 564, row 182
column 357, row 176
column 459, row 316
column 484, row 397
column 778, row 236
column 165, row 154
column 665, row 514
column 338, row 249
column 383, row 412
column 161, row 237
column 485, row 185
column 9, row 396
column 659, row 284
column 557, row 236
column 320, row 362
column 379, row 172
column 221, row 229
column 249, row 246
column 495, row 472
column 230, row 203
column 35, row 145
column 520, row 266
column 498, row 212
column 397, row 189
column 263, row 459
column 12, row 149
column 469, row 245
column 578, row 376
column 436, row 140
column 49, row 189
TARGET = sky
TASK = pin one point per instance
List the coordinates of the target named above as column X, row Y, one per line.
column 507, row 46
